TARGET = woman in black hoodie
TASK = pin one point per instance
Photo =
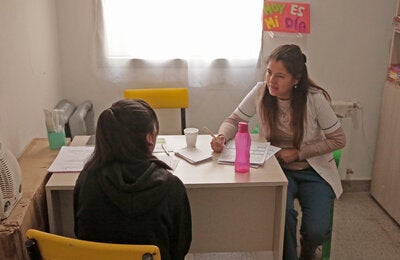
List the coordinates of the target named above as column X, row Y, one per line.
column 126, row 195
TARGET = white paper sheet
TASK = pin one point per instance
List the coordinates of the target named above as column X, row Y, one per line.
column 71, row 159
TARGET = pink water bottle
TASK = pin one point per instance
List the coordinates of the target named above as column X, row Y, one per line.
column 242, row 143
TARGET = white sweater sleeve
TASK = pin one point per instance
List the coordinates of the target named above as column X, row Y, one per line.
column 246, row 110
column 248, row 107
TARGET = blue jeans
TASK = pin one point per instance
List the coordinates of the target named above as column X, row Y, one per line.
column 316, row 197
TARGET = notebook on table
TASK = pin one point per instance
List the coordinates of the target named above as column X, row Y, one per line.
column 193, row 155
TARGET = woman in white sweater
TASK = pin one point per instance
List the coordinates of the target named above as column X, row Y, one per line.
column 295, row 114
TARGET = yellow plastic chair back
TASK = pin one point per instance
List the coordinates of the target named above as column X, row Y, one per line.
column 57, row 247
column 159, row 98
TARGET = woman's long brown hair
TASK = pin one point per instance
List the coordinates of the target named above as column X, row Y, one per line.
column 295, row 63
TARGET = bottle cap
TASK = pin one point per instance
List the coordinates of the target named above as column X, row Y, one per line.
column 243, row 127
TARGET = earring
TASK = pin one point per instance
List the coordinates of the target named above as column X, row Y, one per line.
column 295, row 86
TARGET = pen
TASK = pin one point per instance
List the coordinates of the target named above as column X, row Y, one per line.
column 165, row 149
column 209, row 131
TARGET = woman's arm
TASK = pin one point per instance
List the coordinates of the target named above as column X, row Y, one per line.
column 229, row 126
column 226, row 131
column 246, row 109
column 334, row 141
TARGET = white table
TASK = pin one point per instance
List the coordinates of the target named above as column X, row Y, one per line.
column 230, row 212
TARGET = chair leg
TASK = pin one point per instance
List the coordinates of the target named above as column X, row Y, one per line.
column 183, row 119
column 326, row 246
column 32, row 249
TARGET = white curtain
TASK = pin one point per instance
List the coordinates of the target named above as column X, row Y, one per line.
column 192, row 43
column 183, row 29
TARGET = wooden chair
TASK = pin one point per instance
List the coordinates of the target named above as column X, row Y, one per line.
column 160, row 98
column 46, row 246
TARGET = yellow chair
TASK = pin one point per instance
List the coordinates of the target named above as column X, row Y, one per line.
column 46, row 246
column 159, row 98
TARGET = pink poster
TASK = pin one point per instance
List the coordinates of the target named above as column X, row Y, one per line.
column 286, row 17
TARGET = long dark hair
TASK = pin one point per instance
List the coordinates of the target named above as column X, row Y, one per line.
column 121, row 134
column 295, row 63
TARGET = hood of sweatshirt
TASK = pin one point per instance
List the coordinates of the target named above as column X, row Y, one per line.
column 134, row 189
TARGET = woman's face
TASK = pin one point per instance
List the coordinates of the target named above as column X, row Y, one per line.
column 279, row 81
column 152, row 140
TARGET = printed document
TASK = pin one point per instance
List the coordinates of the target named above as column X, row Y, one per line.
column 71, row 159
column 259, row 153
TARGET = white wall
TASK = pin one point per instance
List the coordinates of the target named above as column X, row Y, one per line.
column 29, row 70
column 347, row 51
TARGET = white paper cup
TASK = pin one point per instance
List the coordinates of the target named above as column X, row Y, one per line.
column 191, row 136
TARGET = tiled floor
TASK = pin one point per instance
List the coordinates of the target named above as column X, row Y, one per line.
column 361, row 231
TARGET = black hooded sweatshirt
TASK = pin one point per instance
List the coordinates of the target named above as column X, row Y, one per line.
column 134, row 204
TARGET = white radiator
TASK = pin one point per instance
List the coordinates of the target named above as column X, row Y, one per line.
column 347, row 112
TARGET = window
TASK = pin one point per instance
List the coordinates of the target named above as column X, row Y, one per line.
column 183, row 29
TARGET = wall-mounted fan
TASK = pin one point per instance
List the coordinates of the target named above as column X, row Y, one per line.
column 10, row 181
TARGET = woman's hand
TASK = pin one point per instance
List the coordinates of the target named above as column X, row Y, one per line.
column 218, row 143
column 287, row 155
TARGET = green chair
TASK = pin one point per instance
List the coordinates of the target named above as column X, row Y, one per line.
column 326, row 246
